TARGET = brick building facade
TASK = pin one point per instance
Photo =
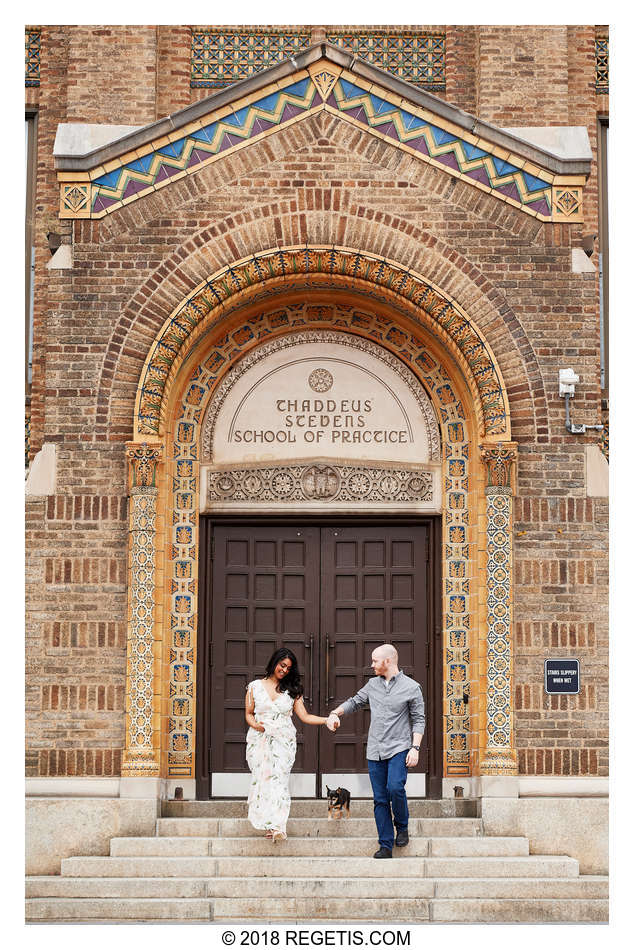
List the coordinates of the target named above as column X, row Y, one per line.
column 324, row 200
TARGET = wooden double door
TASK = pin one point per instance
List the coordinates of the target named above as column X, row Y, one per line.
column 331, row 594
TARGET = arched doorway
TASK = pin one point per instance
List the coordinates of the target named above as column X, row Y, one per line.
column 320, row 531
column 450, row 362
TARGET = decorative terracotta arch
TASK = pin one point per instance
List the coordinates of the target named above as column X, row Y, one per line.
column 237, row 285
column 256, row 300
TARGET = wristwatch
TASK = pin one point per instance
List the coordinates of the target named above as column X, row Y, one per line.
column 417, row 747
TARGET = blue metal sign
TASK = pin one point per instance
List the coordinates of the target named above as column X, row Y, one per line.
column 561, row 676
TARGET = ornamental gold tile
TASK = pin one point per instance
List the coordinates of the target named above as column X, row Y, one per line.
column 567, row 203
column 75, row 200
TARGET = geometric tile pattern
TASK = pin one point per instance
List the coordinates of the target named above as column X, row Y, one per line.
column 498, row 463
column 446, row 147
column 32, row 49
column 567, row 201
column 418, row 58
column 76, row 197
column 143, row 174
column 183, row 506
column 450, row 323
column 140, row 754
column 602, row 55
column 140, row 751
column 219, row 59
column 498, row 619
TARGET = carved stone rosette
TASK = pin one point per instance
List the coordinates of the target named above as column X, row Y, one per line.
column 499, row 461
column 320, row 482
column 141, row 756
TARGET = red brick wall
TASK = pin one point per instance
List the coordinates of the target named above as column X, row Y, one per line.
column 320, row 181
column 523, row 75
column 112, row 74
column 460, row 69
column 51, row 105
column 75, row 649
column 173, row 69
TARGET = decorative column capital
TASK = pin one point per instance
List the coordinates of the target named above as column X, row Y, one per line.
column 500, row 462
column 143, row 461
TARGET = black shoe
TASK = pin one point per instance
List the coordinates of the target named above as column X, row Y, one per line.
column 383, row 853
column 402, row 838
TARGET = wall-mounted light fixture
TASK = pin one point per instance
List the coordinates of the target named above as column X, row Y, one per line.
column 587, row 243
column 568, row 379
column 54, row 241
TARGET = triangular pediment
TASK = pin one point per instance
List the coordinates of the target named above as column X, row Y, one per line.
column 323, row 78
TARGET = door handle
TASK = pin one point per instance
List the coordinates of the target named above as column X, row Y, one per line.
column 309, row 646
column 329, row 646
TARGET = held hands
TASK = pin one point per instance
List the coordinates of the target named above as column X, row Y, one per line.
column 332, row 722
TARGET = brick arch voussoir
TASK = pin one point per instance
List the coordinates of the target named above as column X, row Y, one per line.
column 281, row 224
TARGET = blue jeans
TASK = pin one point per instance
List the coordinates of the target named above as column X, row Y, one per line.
column 388, row 777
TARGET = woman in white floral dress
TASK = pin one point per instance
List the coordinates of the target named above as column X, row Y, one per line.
column 271, row 741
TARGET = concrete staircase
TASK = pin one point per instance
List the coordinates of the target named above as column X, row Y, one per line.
column 206, row 863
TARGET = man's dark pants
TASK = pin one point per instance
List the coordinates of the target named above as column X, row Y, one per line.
column 388, row 777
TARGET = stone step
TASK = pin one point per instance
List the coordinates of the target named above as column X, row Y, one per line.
column 318, row 808
column 313, row 847
column 55, row 885
column 321, row 908
column 584, row 887
column 315, row 827
column 519, row 911
column 253, row 909
column 340, row 867
column 106, row 908
column 455, row 888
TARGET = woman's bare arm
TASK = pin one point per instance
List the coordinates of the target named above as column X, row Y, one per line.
column 249, row 710
column 300, row 710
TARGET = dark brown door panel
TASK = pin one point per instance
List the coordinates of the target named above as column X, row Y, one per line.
column 374, row 590
column 330, row 594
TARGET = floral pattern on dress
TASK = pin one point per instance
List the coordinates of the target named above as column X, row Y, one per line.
column 270, row 756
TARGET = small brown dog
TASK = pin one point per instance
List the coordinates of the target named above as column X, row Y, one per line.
column 338, row 803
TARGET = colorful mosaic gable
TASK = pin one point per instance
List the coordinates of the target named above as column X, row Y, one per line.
column 458, row 521
column 446, row 147
column 32, row 49
column 418, row 58
column 179, row 156
column 221, row 58
column 451, row 325
column 325, row 87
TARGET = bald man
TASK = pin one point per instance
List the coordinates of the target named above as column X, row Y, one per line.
column 397, row 724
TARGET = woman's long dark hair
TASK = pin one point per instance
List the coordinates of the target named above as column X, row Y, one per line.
column 292, row 682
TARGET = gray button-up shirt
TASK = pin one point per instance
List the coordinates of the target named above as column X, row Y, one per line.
column 396, row 711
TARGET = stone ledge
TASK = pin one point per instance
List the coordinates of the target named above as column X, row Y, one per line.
column 58, row 828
